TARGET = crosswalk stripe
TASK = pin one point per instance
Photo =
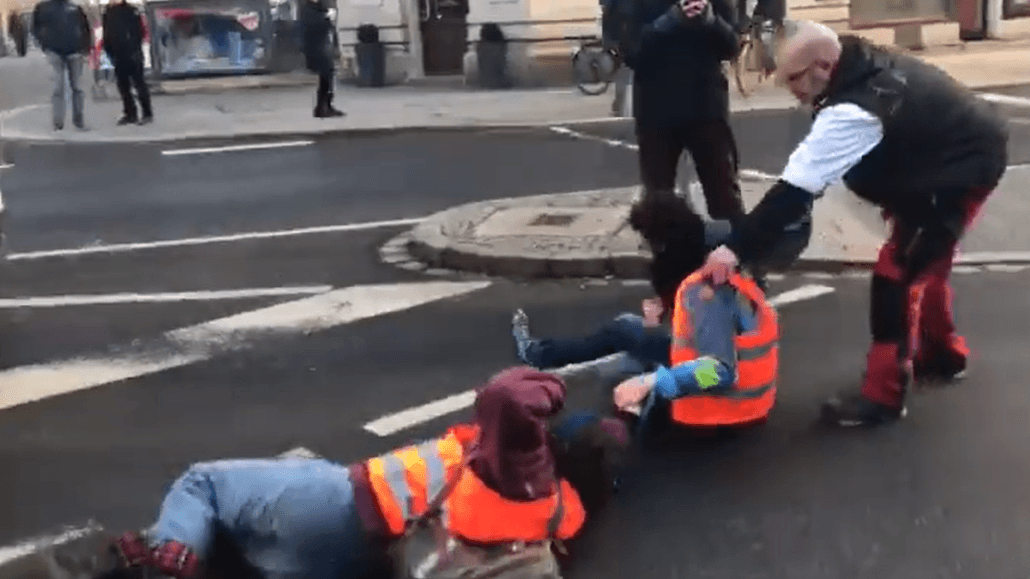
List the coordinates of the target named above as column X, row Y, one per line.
column 200, row 342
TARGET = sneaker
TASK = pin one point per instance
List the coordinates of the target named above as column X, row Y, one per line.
column 852, row 409
column 520, row 331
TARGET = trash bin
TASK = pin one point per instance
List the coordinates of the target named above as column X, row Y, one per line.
column 371, row 56
column 492, row 56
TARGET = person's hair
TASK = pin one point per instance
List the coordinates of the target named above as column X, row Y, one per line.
column 590, row 462
column 670, row 226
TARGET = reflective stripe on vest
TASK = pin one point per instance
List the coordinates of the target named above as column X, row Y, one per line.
column 405, row 480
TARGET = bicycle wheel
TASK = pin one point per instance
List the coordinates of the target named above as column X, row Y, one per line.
column 594, row 68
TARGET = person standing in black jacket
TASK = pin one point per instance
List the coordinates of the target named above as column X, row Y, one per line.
column 676, row 49
column 318, row 52
column 123, row 43
column 16, row 30
column 63, row 32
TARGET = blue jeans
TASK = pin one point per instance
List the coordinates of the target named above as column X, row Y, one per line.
column 290, row 518
column 626, row 333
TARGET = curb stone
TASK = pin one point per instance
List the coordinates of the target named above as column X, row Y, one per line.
column 394, row 252
column 398, row 252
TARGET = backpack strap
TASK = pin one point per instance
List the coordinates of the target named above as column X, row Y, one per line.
column 555, row 521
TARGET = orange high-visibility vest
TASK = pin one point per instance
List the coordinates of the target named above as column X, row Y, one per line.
column 405, row 480
column 757, row 363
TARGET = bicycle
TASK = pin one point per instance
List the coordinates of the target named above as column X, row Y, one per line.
column 756, row 61
column 595, row 66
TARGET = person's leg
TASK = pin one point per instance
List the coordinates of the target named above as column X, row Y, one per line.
column 658, row 155
column 57, row 98
column 142, row 90
column 941, row 353
column 623, row 78
column 75, row 66
column 714, row 151
column 123, row 78
column 311, row 528
column 888, row 371
column 322, row 95
column 622, row 334
column 331, row 94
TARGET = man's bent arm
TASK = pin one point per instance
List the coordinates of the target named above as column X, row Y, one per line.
column 841, row 136
column 723, row 29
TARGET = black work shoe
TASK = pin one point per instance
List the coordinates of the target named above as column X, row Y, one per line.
column 331, row 112
column 853, row 409
column 939, row 369
column 127, row 121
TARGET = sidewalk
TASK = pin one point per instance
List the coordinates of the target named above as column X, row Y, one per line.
column 287, row 110
column 586, row 234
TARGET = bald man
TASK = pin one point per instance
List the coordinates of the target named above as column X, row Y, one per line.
column 905, row 136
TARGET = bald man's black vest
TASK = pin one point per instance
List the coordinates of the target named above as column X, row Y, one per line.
column 940, row 139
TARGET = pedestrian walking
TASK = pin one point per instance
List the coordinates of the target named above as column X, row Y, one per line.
column 63, row 32
column 319, row 47
column 124, row 32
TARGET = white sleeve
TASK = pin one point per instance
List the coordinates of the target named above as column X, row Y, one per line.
column 840, row 136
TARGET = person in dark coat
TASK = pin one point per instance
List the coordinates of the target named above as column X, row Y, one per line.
column 123, row 42
column 318, row 43
column 16, row 30
column 676, row 49
column 63, row 31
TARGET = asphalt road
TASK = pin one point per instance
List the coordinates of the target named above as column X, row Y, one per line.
column 68, row 196
column 71, row 196
column 941, row 494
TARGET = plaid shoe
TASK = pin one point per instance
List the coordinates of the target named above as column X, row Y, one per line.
column 175, row 560
column 132, row 549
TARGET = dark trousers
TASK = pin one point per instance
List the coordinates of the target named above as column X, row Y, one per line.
column 714, row 151
column 324, row 92
column 128, row 72
column 911, row 319
column 626, row 333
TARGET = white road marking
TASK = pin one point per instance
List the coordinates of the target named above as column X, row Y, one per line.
column 1005, row 99
column 747, row 173
column 398, row 421
column 988, row 257
column 13, row 552
column 588, row 137
column 203, row 341
column 805, row 292
column 6, row 166
column 229, row 148
column 405, row 419
column 125, row 247
column 134, row 298
column 299, row 452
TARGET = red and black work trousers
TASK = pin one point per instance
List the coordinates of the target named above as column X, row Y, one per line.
column 911, row 316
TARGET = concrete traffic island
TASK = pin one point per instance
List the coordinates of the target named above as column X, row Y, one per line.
column 586, row 234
